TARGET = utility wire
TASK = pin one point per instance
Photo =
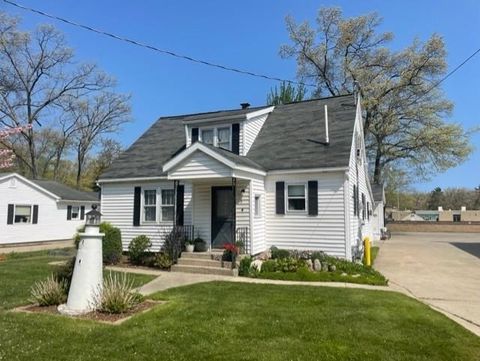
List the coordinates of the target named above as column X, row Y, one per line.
column 204, row 62
column 154, row 48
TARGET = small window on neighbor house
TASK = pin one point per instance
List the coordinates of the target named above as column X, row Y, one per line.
column 257, row 206
column 23, row 214
column 75, row 212
column 150, row 205
column 208, row 136
column 168, row 197
column 457, row 218
column 296, row 198
column 363, row 206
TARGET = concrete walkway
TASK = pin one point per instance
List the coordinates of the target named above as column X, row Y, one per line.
column 439, row 269
column 32, row 247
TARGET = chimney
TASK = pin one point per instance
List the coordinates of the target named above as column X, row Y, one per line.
column 244, row 105
column 327, row 139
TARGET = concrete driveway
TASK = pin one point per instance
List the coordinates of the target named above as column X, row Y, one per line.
column 440, row 269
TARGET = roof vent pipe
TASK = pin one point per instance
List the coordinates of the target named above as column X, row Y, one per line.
column 244, row 105
column 327, row 139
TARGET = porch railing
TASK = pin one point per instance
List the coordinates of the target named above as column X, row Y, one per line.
column 187, row 231
column 242, row 236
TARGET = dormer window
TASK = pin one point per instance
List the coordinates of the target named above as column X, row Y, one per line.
column 219, row 137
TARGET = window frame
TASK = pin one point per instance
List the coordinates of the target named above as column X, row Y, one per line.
column 30, row 220
column 144, row 221
column 215, row 135
column 305, row 197
column 158, row 205
column 257, row 211
column 162, row 205
column 77, row 218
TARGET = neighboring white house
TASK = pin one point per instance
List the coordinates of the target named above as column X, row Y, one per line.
column 378, row 211
column 292, row 176
column 40, row 210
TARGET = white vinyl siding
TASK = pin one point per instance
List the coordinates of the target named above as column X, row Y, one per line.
column 251, row 128
column 324, row 232
column 200, row 165
column 52, row 223
column 258, row 223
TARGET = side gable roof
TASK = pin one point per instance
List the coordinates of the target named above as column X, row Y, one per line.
column 293, row 135
column 292, row 138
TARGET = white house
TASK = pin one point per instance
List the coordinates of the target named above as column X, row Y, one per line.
column 293, row 176
column 378, row 211
column 40, row 210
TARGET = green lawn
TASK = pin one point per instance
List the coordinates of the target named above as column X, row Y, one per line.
column 20, row 271
column 234, row 321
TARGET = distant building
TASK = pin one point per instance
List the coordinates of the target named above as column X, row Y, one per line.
column 440, row 215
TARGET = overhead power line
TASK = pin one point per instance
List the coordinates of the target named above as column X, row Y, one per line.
column 154, row 48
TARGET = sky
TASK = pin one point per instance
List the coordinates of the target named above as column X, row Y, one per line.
column 247, row 34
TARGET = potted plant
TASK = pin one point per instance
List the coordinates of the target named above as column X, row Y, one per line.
column 189, row 245
column 200, row 245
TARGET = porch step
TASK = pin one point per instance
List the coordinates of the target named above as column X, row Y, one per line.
column 202, row 270
column 202, row 255
column 185, row 261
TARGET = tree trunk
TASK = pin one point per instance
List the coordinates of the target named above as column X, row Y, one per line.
column 377, row 174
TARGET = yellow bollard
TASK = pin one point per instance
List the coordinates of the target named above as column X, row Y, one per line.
column 367, row 249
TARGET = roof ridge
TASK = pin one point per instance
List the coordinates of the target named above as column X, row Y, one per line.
column 213, row 112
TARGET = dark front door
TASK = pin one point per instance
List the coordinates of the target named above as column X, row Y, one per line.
column 222, row 216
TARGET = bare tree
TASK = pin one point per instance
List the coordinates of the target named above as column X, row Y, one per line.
column 37, row 74
column 403, row 111
column 97, row 116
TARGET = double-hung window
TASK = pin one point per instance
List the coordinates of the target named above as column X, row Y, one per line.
column 168, row 197
column 150, row 205
column 219, row 137
column 223, row 138
column 23, row 214
column 296, row 197
column 75, row 212
column 208, row 136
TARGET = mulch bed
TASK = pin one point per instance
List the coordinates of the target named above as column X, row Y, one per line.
column 113, row 319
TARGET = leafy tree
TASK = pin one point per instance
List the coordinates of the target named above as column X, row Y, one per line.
column 403, row 111
column 435, row 199
column 286, row 94
column 38, row 79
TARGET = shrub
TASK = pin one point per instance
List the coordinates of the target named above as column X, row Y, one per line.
column 288, row 264
column 112, row 243
column 49, row 292
column 137, row 249
column 279, row 253
column 200, row 245
column 269, row 266
column 64, row 273
column 117, row 295
column 162, row 261
column 173, row 244
column 244, row 267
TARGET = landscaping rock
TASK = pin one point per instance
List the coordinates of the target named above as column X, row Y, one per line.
column 264, row 255
column 356, row 275
column 257, row 264
column 309, row 264
column 317, row 265
column 332, row 268
column 344, row 274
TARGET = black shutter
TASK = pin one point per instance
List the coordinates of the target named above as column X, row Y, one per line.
column 194, row 135
column 179, row 215
column 82, row 213
column 136, row 206
column 69, row 213
column 280, row 197
column 35, row 214
column 236, row 138
column 11, row 209
column 312, row 198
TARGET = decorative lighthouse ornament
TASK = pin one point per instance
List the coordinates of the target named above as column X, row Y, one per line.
column 87, row 277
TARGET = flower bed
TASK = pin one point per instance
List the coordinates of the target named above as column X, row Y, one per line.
column 308, row 266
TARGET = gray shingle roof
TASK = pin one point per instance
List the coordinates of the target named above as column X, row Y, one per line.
column 244, row 161
column 291, row 138
column 377, row 190
column 65, row 192
column 293, row 135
